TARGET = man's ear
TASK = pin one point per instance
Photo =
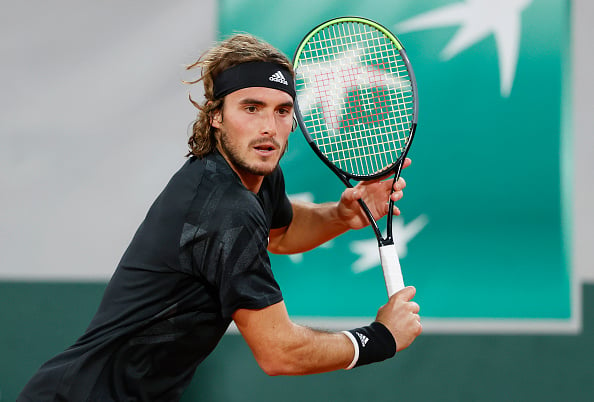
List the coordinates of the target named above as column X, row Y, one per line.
column 216, row 119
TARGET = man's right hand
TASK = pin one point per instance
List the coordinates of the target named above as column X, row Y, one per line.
column 401, row 316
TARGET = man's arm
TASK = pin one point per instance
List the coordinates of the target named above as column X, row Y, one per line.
column 282, row 347
column 315, row 224
column 312, row 225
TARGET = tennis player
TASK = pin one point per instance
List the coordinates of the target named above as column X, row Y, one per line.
column 200, row 258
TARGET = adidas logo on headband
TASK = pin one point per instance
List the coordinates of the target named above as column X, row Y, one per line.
column 278, row 77
column 254, row 74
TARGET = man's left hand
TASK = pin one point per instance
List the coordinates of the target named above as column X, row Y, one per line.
column 375, row 193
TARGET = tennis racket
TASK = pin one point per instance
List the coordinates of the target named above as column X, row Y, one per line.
column 357, row 108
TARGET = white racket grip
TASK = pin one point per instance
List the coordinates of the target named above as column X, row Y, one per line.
column 391, row 268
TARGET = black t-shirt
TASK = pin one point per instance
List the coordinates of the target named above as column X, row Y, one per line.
column 199, row 255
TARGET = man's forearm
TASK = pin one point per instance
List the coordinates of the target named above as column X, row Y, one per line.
column 312, row 225
column 308, row 351
column 282, row 347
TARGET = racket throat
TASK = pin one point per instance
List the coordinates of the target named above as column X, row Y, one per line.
column 381, row 242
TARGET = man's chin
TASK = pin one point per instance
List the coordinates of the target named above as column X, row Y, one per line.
column 261, row 169
column 254, row 167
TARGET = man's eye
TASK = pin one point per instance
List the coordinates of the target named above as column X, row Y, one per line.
column 251, row 109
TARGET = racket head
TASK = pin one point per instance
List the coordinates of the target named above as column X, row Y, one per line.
column 356, row 98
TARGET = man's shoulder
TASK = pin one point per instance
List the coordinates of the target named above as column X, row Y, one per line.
column 220, row 197
column 207, row 174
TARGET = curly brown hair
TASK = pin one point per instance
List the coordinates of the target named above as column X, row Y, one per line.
column 237, row 49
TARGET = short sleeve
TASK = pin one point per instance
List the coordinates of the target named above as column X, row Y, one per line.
column 246, row 279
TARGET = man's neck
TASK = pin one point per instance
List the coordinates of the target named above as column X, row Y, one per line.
column 250, row 181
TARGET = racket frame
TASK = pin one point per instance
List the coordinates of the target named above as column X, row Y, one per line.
column 395, row 167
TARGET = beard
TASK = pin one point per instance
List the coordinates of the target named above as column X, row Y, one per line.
column 235, row 157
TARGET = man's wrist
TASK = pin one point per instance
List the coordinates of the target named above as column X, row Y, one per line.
column 342, row 217
column 355, row 346
column 373, row 343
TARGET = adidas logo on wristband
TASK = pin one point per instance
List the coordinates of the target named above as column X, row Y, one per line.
column 363, row 339
column 278, row 77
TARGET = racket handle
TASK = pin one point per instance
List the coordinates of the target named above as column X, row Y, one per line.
column 391, row 268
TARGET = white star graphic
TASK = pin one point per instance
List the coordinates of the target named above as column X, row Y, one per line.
column 367, row 249
column 306, row 197
column 477, row 20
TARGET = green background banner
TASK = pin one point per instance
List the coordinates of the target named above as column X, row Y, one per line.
column 482, row 234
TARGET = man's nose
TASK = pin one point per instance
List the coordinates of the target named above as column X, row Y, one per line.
column 269, row 124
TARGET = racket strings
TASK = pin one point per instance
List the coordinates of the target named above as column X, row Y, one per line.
column 356, row 97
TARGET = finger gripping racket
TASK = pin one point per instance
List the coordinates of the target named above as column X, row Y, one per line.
column 357, row 108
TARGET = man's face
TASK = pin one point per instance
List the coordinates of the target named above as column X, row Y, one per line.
column 254, row 128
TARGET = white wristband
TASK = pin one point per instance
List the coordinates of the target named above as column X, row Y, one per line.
column 356, row 346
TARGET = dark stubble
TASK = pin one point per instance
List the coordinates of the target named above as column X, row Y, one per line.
column 239, row 162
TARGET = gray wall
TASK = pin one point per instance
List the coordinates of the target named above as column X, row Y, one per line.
column 93, row 120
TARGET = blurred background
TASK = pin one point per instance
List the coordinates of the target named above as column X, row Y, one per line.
column 496, row 225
